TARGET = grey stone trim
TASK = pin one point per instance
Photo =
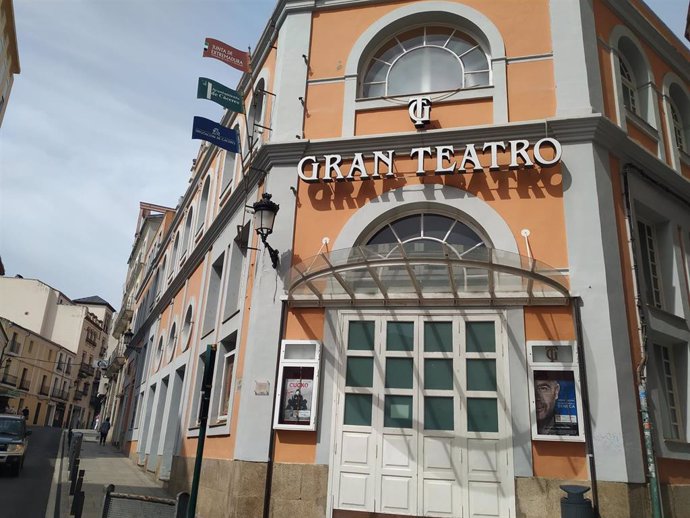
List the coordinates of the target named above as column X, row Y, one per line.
column 519, row 399
column 576, row 58
column 325, row 438
column 595, row 275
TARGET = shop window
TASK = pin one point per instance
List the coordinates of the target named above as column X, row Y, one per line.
column 358, row 409
column 425, row 60
column 213, row 295
column 650, row 264
column 203, row 204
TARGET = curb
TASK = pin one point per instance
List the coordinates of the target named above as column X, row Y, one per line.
column 53, row 505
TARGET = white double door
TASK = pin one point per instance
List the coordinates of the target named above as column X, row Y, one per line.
column 422, row 427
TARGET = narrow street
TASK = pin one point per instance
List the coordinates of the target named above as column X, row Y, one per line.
column 26, row 496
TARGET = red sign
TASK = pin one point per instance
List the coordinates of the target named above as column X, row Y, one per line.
column 227, row 54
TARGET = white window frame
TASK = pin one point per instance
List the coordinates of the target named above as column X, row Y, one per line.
column 669, row 385
column 653, row 267
column 629, row 84
column 228, row 411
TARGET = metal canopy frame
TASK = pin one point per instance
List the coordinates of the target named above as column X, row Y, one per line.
column 510, row 279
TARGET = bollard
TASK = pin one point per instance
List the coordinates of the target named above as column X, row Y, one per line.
column 575, row 505
column 77, row 491
column 79, row 498
column 73, row 476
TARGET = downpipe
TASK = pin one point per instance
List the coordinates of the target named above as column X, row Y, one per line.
column 641, row 371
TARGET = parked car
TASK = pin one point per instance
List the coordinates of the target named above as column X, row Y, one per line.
column 13, row 441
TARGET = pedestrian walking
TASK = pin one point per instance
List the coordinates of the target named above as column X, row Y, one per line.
column 105, row 428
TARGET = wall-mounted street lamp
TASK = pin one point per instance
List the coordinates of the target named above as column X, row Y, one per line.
column 127, row 337
column 264, row 216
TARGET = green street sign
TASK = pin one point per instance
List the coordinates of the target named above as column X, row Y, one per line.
column 218, row 93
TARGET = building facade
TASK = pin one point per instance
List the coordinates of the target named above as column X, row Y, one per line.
column 37, row 374
column 482, row 281
column 81, row 326
column 9, row 53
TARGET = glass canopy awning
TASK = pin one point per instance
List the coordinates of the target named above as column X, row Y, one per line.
column 424, row 273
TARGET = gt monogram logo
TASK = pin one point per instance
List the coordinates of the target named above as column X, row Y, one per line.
column 419, row 109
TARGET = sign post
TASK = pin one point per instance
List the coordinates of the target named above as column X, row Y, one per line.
column 209, row 361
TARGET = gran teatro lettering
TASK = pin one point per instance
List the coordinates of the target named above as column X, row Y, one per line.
column 448, row 160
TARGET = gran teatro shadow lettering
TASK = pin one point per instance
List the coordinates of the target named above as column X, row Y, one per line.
column 448, row 161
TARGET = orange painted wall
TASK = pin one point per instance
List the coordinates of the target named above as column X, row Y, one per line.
column 323, row 114
column 563, row 460
column 549, row 323
column 448, row 115
column 525, row 199
column 531, row 92
column 641, row 137
column 672, row 471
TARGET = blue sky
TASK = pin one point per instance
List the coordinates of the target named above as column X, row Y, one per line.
column 100, row 119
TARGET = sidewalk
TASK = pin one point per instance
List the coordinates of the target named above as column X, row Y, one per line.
column 105, row 465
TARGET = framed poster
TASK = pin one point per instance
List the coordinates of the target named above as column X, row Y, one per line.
column 297, row 396
column 554, row 385
column 296, row 402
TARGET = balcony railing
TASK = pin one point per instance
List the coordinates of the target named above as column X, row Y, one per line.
column 24, row 384
column 43, row 390
column 8, row 379
column 60, row 394
column 86, row 370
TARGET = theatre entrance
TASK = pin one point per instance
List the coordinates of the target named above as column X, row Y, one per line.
column 422, row 422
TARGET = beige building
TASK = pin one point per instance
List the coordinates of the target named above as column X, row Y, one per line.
column 81, row 326
column 9, row 53
column 38, row 374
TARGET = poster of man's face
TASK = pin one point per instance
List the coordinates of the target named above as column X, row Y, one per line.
column 555, row 403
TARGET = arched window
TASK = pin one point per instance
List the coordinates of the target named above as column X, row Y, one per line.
column 256, row 114
column 164, row 271
column 171, row 340
column 677, row 126
column 186, row 240
column 187, row 328
column 424, row 60
column 628, row 84
column 425, row 230
column 203, row 204
column 176, row 249
column 159, row 350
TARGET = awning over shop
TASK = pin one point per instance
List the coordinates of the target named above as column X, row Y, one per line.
column 424, row 273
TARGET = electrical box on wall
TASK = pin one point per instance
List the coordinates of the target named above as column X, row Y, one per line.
column 297, row 398
column 554, row 387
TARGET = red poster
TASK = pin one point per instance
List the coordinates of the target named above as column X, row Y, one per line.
column 227, row 54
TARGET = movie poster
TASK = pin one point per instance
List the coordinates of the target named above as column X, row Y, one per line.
column 297, row 395
column 556, row 403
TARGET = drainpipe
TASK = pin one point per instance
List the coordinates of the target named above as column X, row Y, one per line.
column 272, row 440
column 647, row 425
column 584, row 393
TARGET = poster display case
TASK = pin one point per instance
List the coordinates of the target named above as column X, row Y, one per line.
column 554, row 388
column 298, row 385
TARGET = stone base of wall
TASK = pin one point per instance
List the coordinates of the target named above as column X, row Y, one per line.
column 541, row 498
column 227, row 489
column 299, row 490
